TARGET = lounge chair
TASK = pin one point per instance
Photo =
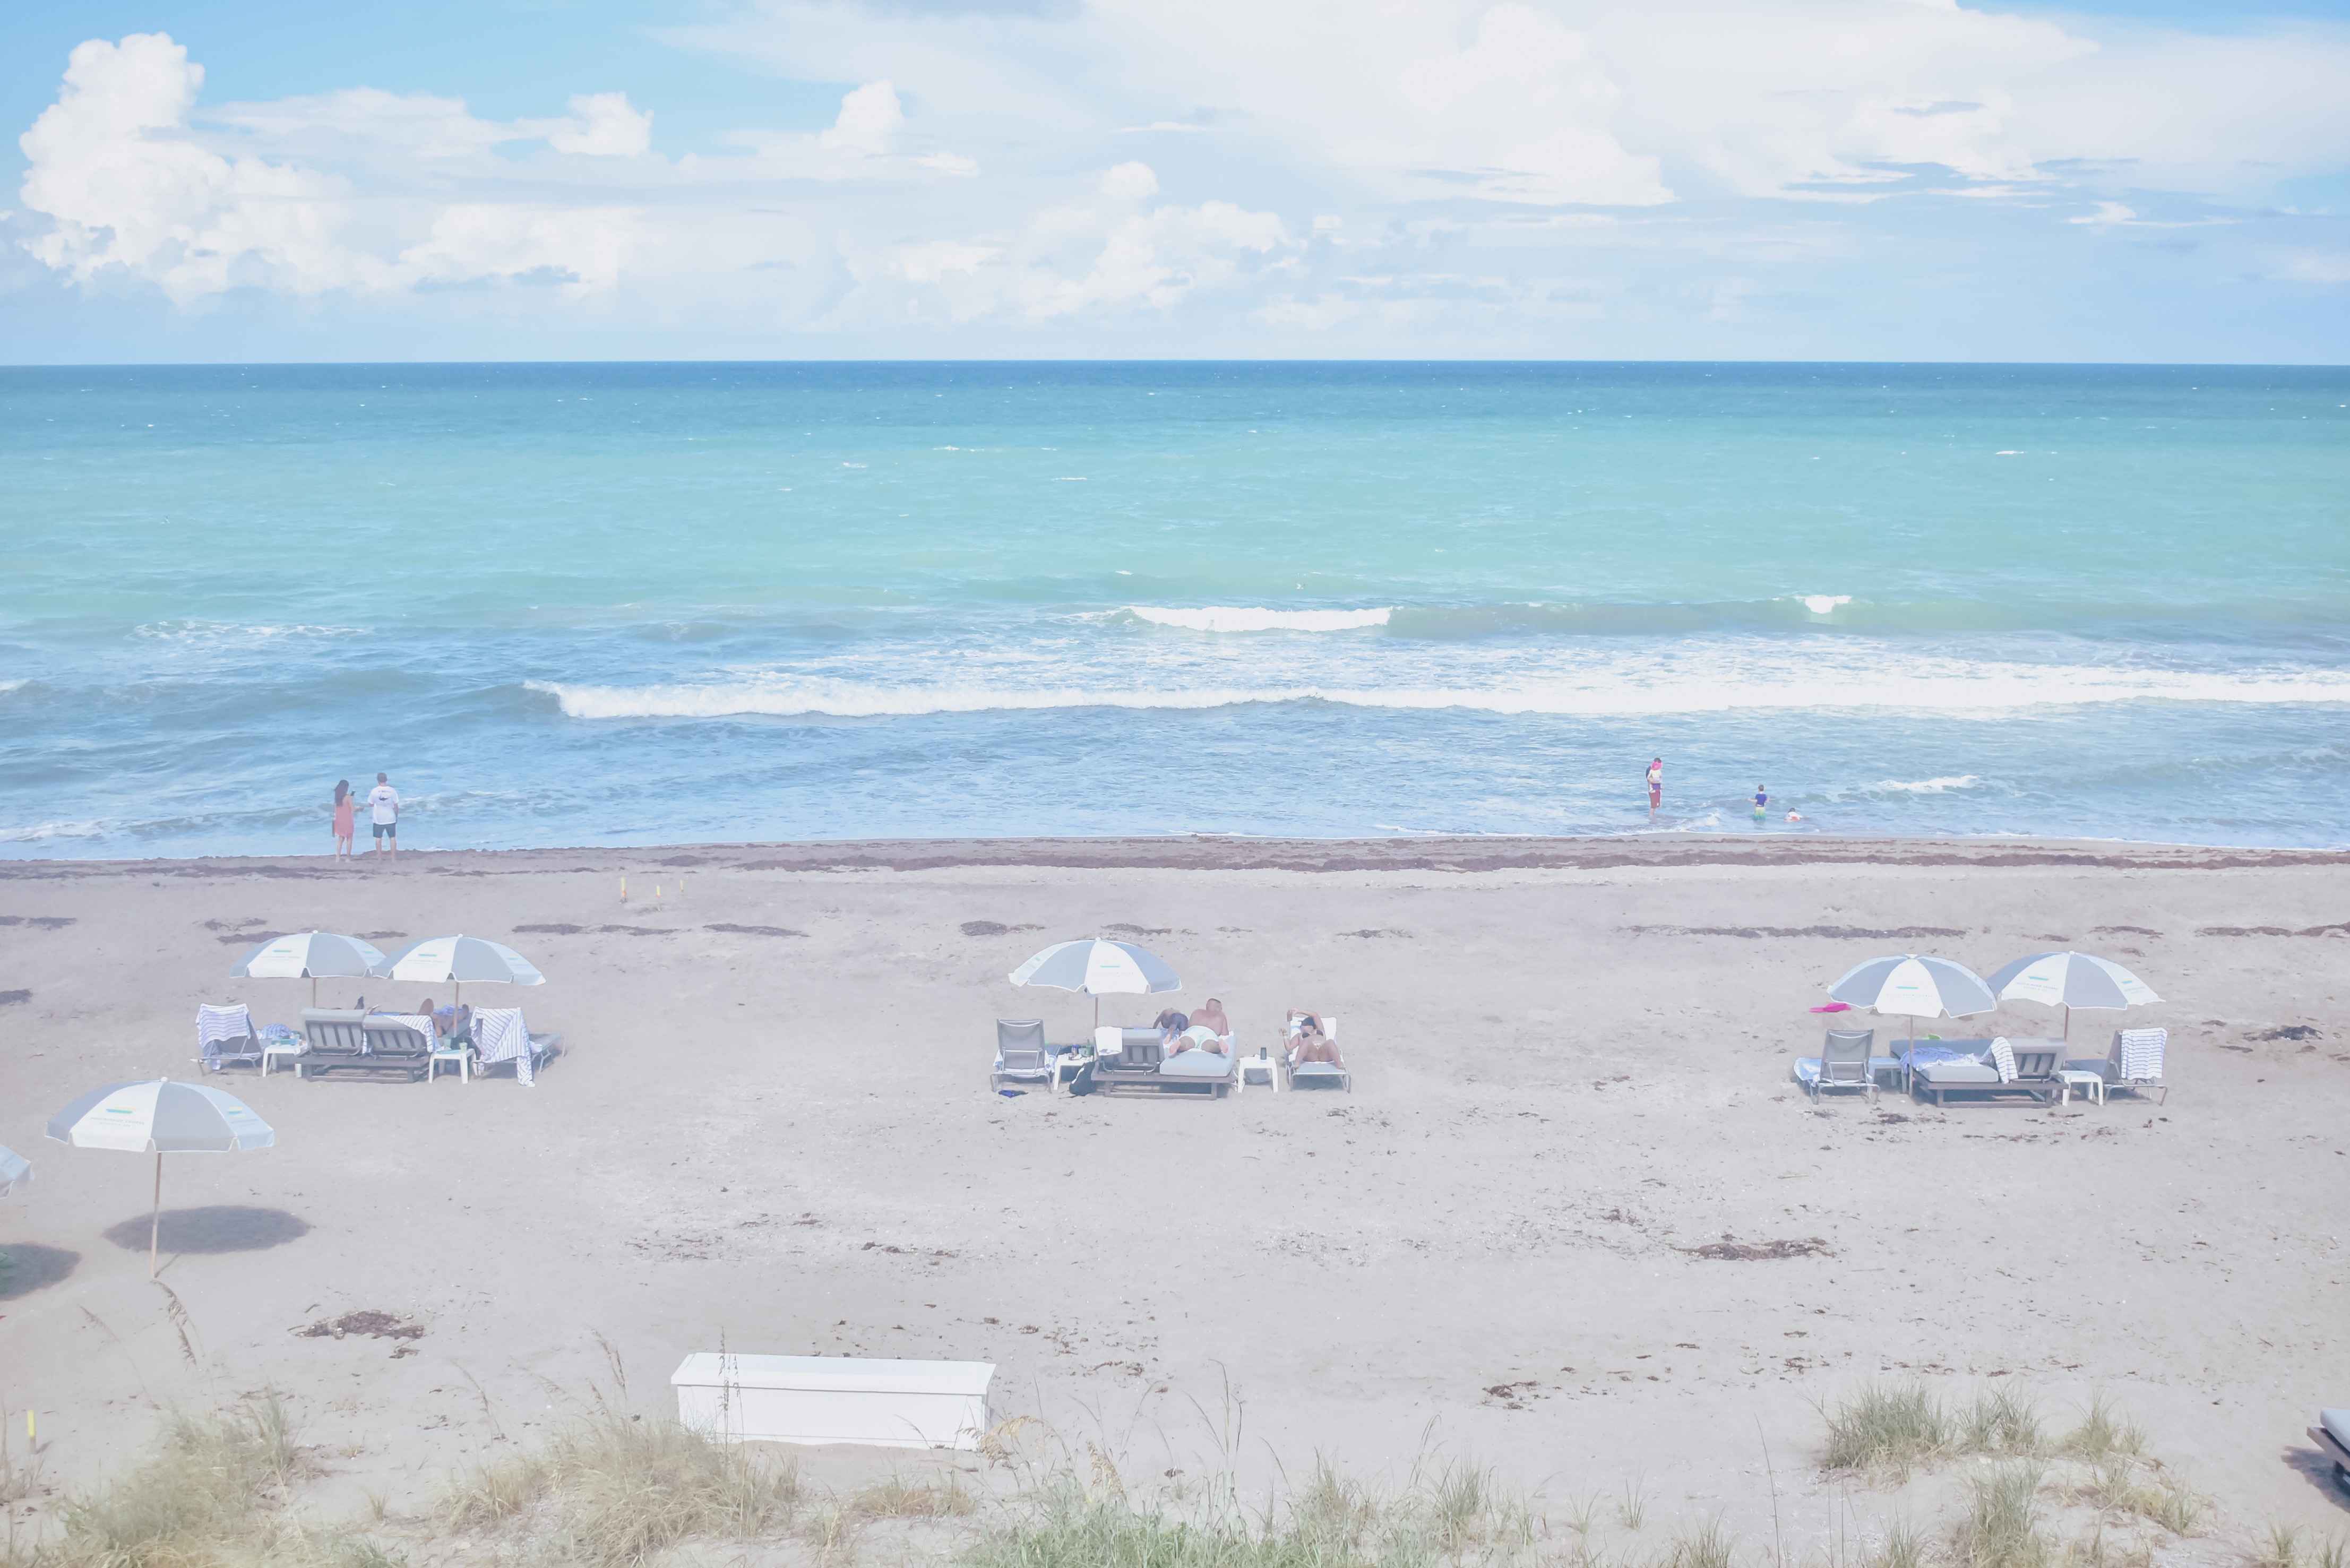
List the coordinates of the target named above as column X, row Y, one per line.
column 1843, row 1063
column 2133, row 1062
column 1974, row 1067
column 2333, row 1435
column 226, row 1035
column 1318, row 1075
column 501, row 1036
column 352, row 1040
column 1138, row 1059
column 1022, row 1057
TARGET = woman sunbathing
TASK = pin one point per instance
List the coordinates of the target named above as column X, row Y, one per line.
column 1198, row 1037
column 1310, row 1043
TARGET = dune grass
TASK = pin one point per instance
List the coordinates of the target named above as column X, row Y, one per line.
column 616, row 1491
column 216, row 1492
column 2001, row 1527
column 1455, row 1516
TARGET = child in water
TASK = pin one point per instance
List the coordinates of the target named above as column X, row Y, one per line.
column 1761, row 802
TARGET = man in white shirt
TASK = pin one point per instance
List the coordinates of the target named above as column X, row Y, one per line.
column 383, row 802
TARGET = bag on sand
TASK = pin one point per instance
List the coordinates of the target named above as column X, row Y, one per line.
column 1083, row 1084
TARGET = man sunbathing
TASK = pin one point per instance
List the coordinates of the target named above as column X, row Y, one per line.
column 1198, row 1037
column 1311, row 1044
column 1211, row 1013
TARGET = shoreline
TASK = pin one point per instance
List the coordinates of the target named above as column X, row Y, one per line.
column 1202, row 852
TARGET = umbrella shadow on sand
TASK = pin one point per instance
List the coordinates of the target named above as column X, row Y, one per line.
column 32, row 1267
column 218, row 1228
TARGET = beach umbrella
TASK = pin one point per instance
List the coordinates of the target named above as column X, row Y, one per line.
column 1099, row 967
column 15, row 1170
column 2071, row 980
column 312, row 956
column 454, row 961
column 160, row 1116
column 1914, row 986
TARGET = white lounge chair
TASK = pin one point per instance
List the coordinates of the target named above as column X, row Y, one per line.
column 1843, row 1063
column 501, row 1036
column 226, row 1034
column 1319, row 1074
column 1022, row 1057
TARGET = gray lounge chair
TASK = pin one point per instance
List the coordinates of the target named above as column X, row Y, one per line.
column 1022, row 1057
column 1977, row 1075
column 2133, row 1062
column 1843, row 1063
column 352, row 1040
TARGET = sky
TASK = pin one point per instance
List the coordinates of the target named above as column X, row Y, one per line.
column 1895, row 179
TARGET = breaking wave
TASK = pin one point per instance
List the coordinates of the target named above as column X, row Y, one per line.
column 1610, row 693
column 1243, row 617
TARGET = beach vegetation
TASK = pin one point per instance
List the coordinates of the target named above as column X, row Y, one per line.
column 1905, row 1546
column 215, row 1491
column 612, row 1491
column 1888, row 1428
column 2001, row 1525
column 1707, row 1545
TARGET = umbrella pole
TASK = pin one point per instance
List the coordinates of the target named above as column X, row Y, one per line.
column 155, row 1220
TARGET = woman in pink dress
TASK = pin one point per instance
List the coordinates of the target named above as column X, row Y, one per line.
column 346, row 819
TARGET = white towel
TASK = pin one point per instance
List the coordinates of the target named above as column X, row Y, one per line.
column 501, row 1036
column 2142, row 1054
column 2002, row 1055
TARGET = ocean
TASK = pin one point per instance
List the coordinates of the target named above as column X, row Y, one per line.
column 569, row 605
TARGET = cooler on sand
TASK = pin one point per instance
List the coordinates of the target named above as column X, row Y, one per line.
column 834, row 1399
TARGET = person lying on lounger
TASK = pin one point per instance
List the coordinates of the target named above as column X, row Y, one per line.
column 1211, row 1013
column 1309, row 1042
column 1169, row 1023
column 1197, row 1038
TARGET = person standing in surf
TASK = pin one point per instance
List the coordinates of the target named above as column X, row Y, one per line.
column 1656, row 782
column 1761, row 802
column 346, row 819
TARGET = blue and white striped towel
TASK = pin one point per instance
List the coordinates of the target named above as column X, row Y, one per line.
column 214, row 1025
column 415, row 1021
column 2142, row 1054
column 2003, row 1056
column 501, row 1036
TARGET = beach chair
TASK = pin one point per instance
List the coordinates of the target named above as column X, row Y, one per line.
column 2133, row 1062
column 1843, row 1063
column 501, row 1036
column 1319, row 1074
column 1022, row 1057
column 226, row 1035
column 2333, row 1435
column 1994, row 1069
column 1138, row 1059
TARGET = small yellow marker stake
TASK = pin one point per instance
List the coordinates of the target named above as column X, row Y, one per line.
column 29, row 1436
column 624, row 889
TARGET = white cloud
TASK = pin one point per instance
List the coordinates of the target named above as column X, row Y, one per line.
column 1459, row 166
column 870, row 118
column 606, row 128
column 1130, row 181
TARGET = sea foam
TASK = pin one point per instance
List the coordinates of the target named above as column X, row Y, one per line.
column 1619, row 692
column 1245, row 618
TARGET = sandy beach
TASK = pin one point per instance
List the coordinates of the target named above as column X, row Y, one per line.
column 770, row 1127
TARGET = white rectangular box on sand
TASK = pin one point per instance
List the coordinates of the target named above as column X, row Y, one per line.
column 834, row 1399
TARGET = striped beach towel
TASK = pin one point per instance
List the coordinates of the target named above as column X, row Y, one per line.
column 2003, row 1056
column 214, row 1025
column 501, row 1036
column 2142, row 1054
column 416, row 1021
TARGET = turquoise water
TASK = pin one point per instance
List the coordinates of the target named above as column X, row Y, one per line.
column 569, row 605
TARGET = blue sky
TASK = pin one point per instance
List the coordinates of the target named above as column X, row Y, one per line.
column 678, row 178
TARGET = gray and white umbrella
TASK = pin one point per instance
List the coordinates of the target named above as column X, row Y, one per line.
column 15, row 1171
column 2071, row 980
column 1097, row 967
column 454, row 961
column 312, row 956
column 1914, row 986
column 160, row 1116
